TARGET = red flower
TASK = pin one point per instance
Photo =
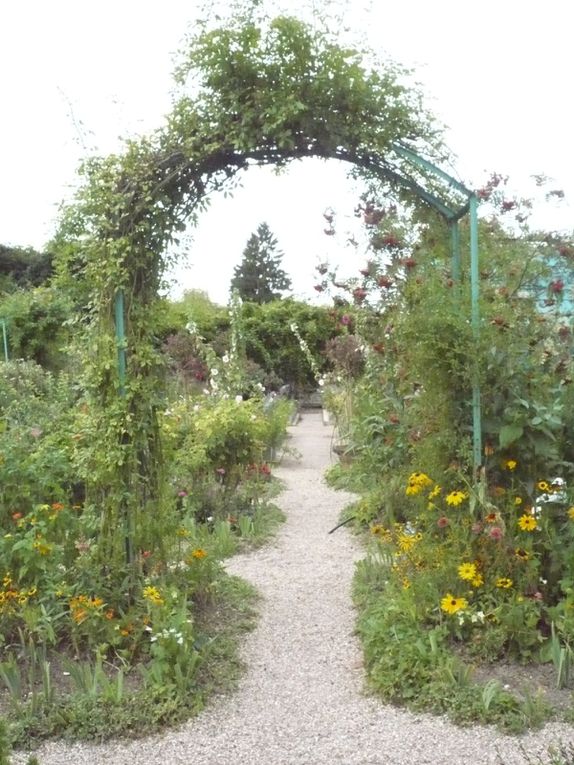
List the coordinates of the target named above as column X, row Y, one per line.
column 557, row 286
column 442, row 522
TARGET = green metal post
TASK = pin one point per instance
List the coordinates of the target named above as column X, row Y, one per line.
column 121, row 340
column 475, row 320
column 5, row 339
column 455, row 250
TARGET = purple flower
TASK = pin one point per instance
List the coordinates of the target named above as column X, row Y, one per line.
column 182, row 494
column 345, row 319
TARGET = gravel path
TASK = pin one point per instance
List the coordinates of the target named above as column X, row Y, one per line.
column 301, row 701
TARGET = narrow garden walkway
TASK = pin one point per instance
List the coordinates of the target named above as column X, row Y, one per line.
column 302, row 700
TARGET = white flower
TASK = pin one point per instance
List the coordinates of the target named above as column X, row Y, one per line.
column 214, row 372
column 238, row 399
column 196, row 408
column 225, row 359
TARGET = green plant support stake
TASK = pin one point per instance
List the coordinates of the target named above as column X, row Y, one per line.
column 475, row 321
column 121, row 340
column 5, row 339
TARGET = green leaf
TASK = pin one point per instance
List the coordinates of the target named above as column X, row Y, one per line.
column 509, row 434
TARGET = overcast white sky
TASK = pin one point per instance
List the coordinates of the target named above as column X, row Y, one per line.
column 77, row 75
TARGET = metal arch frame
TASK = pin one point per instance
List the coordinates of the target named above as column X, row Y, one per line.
column 452, row 216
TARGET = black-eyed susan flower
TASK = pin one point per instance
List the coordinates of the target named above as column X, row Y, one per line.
column 455, row 498
column 527, row 522
column 467, row 571
column 450, row 605
column 543, row 486
column 503, row 583
column 521, row 553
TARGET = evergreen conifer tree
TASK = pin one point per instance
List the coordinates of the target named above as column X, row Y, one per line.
column 259, row 277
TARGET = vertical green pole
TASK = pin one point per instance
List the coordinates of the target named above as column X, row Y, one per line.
column 455, row 250
column 5, row 339
column 475, row 321
column 121, row 340
column 119, row 311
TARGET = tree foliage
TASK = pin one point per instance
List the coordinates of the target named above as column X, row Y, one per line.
column 259, row 277
column 23, row 267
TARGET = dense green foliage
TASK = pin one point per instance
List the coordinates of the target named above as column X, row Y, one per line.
column 23, row 268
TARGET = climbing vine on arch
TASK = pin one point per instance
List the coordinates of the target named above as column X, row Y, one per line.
column 248, row 93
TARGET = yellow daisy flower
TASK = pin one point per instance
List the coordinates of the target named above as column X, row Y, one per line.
column 467, row 571
column 450, row 605
column 527, row 522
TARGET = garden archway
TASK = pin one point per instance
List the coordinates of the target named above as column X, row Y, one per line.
column 264, row 94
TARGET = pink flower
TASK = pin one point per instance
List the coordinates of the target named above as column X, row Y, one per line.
column 442, row 522
column 496, row 533
column 476, row 528
column 345, row 319
column 220, row 471
column 182, row 494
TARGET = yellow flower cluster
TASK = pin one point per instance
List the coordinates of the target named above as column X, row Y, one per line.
column 11, row 596
column 83, row 606
column 417, row 483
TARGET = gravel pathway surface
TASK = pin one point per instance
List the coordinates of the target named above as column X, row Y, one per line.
column 302, row 701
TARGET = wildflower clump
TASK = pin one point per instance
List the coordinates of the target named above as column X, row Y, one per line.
column 417, row 483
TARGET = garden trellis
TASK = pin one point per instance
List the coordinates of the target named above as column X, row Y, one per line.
column 264, row 94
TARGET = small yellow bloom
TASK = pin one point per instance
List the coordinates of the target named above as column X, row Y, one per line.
column 405, row 542
column 571, row 513
column 517, row 501
column 510, row 464
column 504, row 583
column 527, row 522
column 198, row 553
column 478, row 580
column 435, row 491
column 467, row 571
column 456, row 498
column 521, row 553
column 153, row 595
column 543, row 486
column 451, row 605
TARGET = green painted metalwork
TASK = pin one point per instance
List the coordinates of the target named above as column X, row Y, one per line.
column 121, row 340
column 475, row 320
column 5, row 338
column 452, row 216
